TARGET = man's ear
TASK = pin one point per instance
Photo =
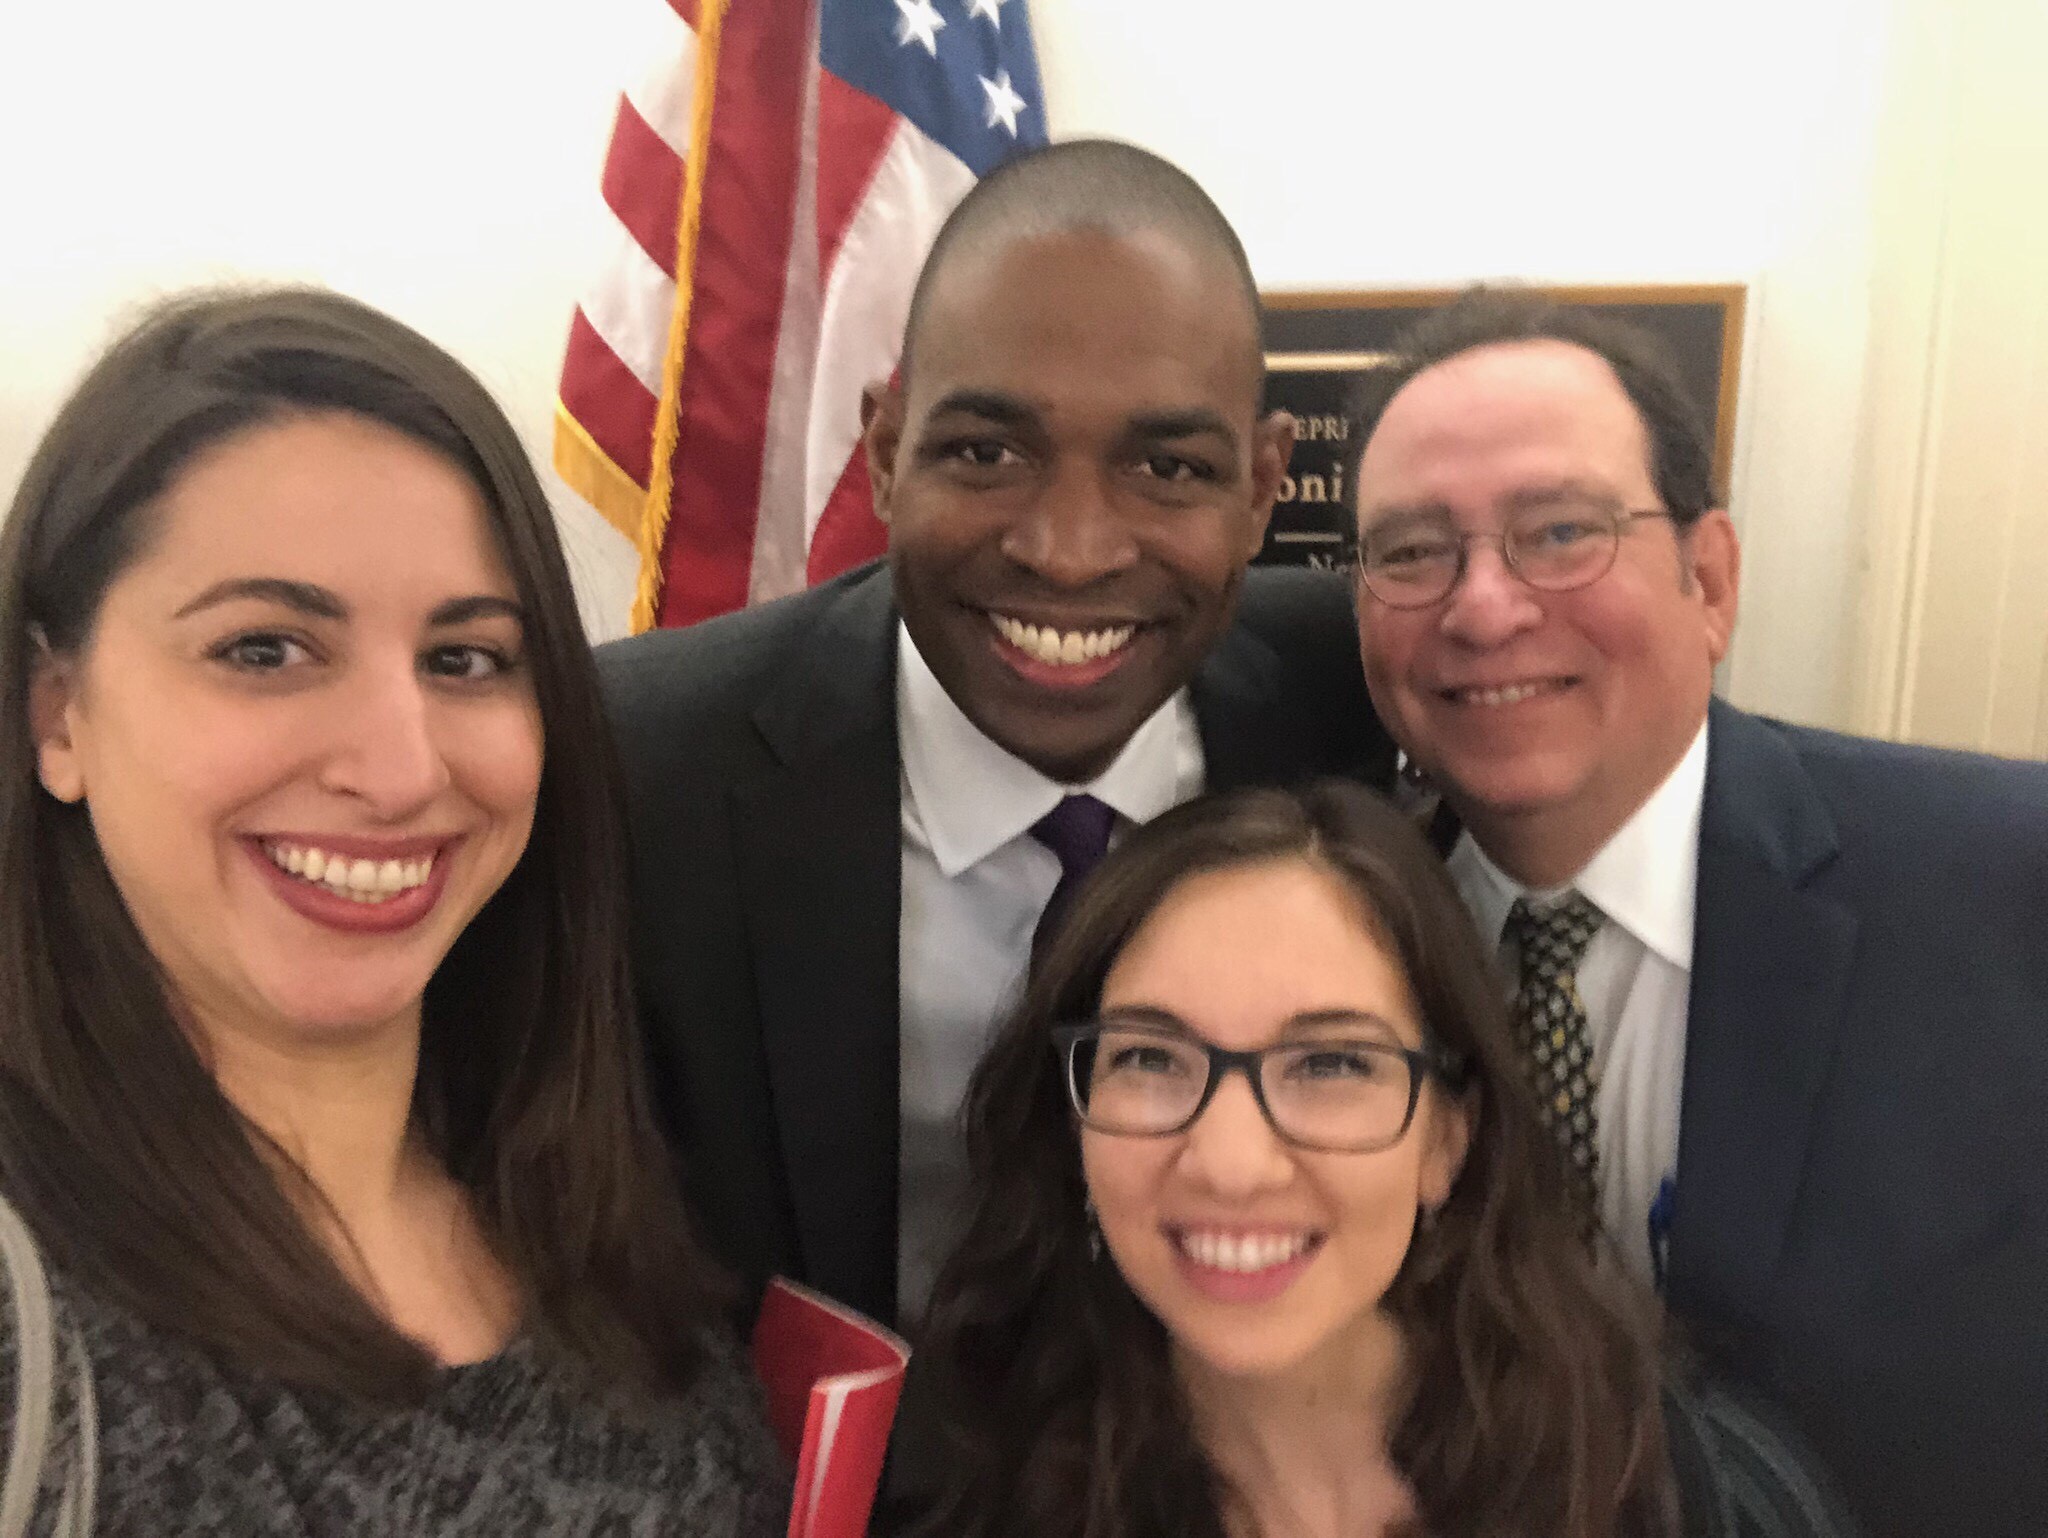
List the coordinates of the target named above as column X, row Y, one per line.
column 881, row 431
column 1714, row 555
column 52, row 685
column 1272, row 449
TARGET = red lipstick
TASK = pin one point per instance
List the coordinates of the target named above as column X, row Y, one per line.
column 320, row 903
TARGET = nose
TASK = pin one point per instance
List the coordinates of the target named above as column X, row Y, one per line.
column 1231, row 1150
column 1490, row 605
column 383, row 748
column 1072, row 533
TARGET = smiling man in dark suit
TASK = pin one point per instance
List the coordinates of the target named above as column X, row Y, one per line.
column 1785, row 992
column 852, row 807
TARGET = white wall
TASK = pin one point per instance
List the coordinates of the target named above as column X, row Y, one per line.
column 440, row 157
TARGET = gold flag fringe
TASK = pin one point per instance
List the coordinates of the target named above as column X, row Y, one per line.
column 661, row 479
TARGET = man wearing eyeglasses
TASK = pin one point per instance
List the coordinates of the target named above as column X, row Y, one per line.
column 1784, row 993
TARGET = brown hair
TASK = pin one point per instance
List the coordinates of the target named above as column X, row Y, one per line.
column 132, row 1166
column 1537, row 1375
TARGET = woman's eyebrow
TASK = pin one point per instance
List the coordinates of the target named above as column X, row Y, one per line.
column 460, row 611
column 1348, row 1019
column 1301, row 1023
column 305, row 597
column 319, row 603
column 1147, row 1015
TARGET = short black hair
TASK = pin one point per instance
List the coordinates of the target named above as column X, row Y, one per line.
column 1103, row 185
column 1681, row 453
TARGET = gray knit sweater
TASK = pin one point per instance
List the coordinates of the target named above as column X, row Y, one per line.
column 505, row 1447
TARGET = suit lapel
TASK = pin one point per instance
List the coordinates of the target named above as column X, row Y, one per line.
column 1771, row 963
column 820, row 871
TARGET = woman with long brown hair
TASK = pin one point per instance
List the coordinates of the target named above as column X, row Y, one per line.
column 1268, row 1237
column 318, row 1088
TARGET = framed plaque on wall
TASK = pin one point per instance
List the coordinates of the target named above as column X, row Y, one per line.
column 1318, row 345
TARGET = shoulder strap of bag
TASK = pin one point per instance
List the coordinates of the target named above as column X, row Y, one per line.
column 35, row 1373
column 81, row 1480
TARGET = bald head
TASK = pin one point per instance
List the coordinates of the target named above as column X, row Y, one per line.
column 1095, row 185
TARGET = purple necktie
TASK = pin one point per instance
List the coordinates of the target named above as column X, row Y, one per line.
column 1077, row 830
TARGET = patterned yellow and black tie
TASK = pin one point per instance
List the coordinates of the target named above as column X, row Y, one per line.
column 1551, row 1020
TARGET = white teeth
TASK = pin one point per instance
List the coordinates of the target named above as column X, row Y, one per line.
column 1510, row 694
column 1061, row 648
column 363, row 881
column 1243, row 1253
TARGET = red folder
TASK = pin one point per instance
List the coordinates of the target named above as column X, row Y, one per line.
column 833, row 1377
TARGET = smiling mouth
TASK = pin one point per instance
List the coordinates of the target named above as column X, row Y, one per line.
column 359, row 880
column 1243, row 1254
column 1061, row 648
column 1497, row 695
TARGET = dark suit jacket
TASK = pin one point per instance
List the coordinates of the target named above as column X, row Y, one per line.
column 1860, row 1222
column 763, row 773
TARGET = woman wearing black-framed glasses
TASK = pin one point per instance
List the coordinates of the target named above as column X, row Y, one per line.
column 1268, row 1237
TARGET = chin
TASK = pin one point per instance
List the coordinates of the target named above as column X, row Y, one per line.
column 333, row 1015
column 1247, row 1354
column 1065, row 756
column 1514, row 787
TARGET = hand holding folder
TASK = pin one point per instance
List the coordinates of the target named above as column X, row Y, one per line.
column 833, row 1377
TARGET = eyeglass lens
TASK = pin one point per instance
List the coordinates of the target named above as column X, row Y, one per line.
column 1324, row 1093
column 1551, row 545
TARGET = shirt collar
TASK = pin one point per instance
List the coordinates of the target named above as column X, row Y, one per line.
column 972, row 796
column 1645, row 878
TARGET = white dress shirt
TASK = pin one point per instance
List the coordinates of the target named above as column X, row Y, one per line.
column 974, row 885
column 1634, row 979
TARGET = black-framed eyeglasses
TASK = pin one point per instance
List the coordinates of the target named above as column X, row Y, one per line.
column 1410, row 561
column 1332, row 1094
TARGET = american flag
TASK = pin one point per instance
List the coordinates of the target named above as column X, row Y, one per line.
column 776, row 181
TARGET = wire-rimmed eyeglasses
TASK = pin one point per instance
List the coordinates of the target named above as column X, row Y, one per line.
column 1336, row 1094
column 1412, row 560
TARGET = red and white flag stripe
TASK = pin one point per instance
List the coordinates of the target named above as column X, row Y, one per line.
column 797, row 211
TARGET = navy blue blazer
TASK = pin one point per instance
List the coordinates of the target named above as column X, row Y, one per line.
column 763, row 781
column 1860, row 1223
